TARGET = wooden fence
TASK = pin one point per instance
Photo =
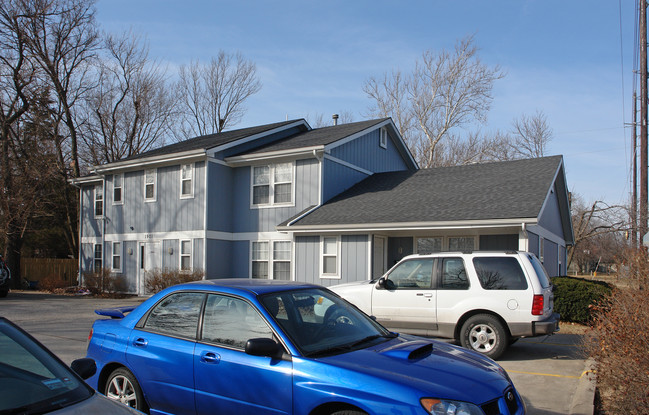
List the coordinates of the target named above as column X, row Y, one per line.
column 37, row 269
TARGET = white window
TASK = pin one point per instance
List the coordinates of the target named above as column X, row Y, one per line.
column 383, row 142
column 260, row 260
column 272, row 184
column 282, row 260
column 429, row 245
column 118, row 185
column 150, row 177
column 186, row 255
column 117, row 256
column 330, row 257
column 99, row 200
column 98, row 258
column 186, row 181
column 463, row 243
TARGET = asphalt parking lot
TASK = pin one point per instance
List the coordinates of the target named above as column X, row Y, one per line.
column 550, row 372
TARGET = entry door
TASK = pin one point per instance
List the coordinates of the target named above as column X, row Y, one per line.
column 150, row 258
column 378, row 268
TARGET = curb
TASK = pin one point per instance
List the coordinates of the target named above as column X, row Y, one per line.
column 583, row 401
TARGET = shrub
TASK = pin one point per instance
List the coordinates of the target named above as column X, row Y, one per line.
column 618, row 342
column 574, row 297
column 51, row 284
column 104, row 282
column 157, row 280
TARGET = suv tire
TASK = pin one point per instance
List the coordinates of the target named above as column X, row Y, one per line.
column 484, row 334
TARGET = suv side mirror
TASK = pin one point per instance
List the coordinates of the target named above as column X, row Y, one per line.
column 386, row 284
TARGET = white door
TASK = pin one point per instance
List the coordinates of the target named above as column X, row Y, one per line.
column 378, row 267
column 150, row 258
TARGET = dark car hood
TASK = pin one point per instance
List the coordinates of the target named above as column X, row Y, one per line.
column 430, row 366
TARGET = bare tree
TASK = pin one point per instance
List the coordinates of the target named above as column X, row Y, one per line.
column 531, row 135
column 476, row 147
column 319, row 120
column 446, row 91
column 131, row 109
column 212, row 96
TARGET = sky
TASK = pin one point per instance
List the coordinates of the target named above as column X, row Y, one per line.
column 570, row 59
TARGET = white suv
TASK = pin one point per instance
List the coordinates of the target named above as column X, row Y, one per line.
column 484, row 300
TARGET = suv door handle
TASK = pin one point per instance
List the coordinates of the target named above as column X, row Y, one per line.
column 427, row 295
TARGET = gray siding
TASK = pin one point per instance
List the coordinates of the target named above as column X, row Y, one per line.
column 265, row 219
column 551, row 258
column 219, row 197
column 550, row 216
column 354, row 258
column 90, row 227
column 365, row 152
column 533, row 243
column 167, row 213
column 307, row 260
column 338, row 178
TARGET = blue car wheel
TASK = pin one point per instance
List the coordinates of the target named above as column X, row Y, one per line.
column 123, row 387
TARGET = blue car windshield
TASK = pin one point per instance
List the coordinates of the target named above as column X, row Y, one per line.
column 320, row 323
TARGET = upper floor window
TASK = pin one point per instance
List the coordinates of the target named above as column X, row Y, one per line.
column 118, row 185
column 272, row 184
column 150, row 178
column 383, row 141
column 187, row 181
column 99, row 200
column 330, row 257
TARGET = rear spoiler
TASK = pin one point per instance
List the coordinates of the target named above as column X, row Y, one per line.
column 119, row 312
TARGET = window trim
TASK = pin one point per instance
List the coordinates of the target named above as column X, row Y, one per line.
column 337, row 274
column 99, row 193
column 270, row 252
column 383, row 138
column 190, row 195
column 190, row 255
column 155, row 185
column 120, row 187
column 253, row 260
column 118, row 255
column 95, row 258
column 271, row 186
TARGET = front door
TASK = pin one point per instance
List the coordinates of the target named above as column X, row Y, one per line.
column 398, row 247
column 150, row 258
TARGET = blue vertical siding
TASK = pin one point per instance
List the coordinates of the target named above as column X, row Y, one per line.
column 365, row 152
column 219, row 197
column 219, row 261
column 338, row 178
column 90, row 227
column 551, row 216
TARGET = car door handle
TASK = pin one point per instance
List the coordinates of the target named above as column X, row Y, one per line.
column 427, row 295
column 140, row 342
column 210, row 357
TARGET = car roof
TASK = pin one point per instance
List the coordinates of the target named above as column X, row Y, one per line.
column 255, row 286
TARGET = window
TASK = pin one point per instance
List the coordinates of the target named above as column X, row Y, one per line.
column 282, row 260
column 383, row 142
column 429, row 245
column 271, row 264
column 186, row 255
column 329, row 247
column 118, row 184
column 150, row 185
column 186, row 181
column 412, row 274
column 260, row 260
column 272, row 184
column 453, row 275
column 231, row 322
column 117, row 256
column 98, row 258
column 500, row 273
column 99, row 200
column 176, row 315
column 461, row 243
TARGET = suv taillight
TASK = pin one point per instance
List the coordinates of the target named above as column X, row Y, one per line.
column 537, row 305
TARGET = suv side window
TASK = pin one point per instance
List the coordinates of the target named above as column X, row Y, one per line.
column 413, row 274
column 453, row 274
column 176, row 315
column 500, row 273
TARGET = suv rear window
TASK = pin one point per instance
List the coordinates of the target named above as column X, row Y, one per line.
column 500, row 273
column 540, row 271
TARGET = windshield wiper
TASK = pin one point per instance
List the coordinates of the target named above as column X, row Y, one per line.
column 372, row 337
column 349, row 346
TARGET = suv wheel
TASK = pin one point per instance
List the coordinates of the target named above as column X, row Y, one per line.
column 485, row 334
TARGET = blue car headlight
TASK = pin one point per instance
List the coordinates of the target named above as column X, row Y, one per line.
column 447, row 407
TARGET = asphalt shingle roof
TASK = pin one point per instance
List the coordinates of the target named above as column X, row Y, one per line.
column 502, row 190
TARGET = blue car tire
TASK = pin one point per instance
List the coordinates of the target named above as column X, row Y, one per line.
column 123, row 387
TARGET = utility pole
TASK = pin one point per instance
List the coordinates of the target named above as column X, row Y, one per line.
column 634, row 187
column 643, row 120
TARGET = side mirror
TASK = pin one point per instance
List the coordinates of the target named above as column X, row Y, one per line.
column 262, row 347
column 85, row 367
column 386, row 284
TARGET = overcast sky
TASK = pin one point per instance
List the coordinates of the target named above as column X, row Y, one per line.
column 571, row 59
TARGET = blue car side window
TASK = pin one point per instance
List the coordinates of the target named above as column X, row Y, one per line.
column 232, row 322
column 176, row 315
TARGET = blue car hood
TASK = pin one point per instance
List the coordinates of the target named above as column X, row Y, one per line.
column 434, row 368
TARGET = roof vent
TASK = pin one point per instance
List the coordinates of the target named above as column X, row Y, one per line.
column 335, row 118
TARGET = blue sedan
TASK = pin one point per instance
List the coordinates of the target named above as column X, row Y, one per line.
column 243, row 346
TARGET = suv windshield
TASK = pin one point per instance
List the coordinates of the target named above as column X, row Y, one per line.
column 320, row 323
column 32, row 380
column 540, row 271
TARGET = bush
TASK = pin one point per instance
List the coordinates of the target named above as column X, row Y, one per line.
column 104, row 282
column 51, row 284
column 574, row 297
column 157, row 280
column 618, row 342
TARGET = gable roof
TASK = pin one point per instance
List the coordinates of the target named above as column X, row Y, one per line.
column 502, row 191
